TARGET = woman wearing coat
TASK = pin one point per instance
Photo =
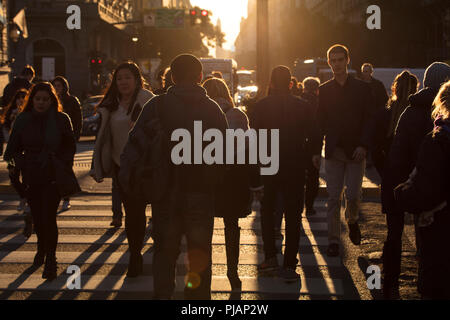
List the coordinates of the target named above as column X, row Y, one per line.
column 118, row 110
column 427, row 195
column 42, row 146
column 233, row 197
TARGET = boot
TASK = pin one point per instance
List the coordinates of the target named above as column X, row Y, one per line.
column 50, row 268
column 28, row 229
column 232, row 239
column 135, row 265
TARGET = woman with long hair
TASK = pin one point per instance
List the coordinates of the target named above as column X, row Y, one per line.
column 404, row 85
column 7, row 120
column 41, row 143
column 426, row 194
column 119, row 109
column 233, row 197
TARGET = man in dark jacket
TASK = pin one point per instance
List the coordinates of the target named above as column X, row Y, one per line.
column 344, row 115
column 376, row 86
column 413, row 125
column 294, row 118
column 311, row 94
column 188, row 204
column 23, row 81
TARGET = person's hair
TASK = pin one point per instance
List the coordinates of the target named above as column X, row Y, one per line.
column 403, row 86
column 41, row 86
column 27, row 71
column 367, row 65
column 442, row 102
column 311, row 84
column 338, row 48
column 21, row 93
column 217, row 88
column 217, row 74
column 63, row 81
column 186, row 68
column 280, row 78
column 168, row 78
column 110, row 100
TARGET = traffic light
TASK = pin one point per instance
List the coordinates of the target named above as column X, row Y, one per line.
column 204, row 16
column 193, row 15
column 96, row 64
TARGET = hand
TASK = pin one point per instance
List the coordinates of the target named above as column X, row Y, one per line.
column 316, row 161
column 359, row 154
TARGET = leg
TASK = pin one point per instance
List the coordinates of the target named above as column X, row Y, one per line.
column 335, row 172
column 267, row 220
column 167, row 231
column 354, row 175
column 50, row 202
column 198, row 218
column 392, row 251
column 232, row 235
column 35, row 201
column 135, row 223
column 293, row 196
column 312, row 186
column 116, row 197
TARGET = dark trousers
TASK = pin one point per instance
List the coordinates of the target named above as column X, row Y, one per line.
column 135, row 222
column 311, row 184
column 392, row 250
column 191, row 214
column 44, row 201
column 116, row 195
column 292, row 197
column 17, row 184
column 232, row 236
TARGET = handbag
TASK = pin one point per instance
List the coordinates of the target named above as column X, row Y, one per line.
column 65, row 179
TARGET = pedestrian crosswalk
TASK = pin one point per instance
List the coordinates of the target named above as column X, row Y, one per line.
column 86, row 240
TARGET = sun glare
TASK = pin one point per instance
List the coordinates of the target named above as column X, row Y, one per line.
column 229, row 12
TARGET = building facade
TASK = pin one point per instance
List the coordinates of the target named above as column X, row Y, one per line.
column 52, row 49
column 4, row 58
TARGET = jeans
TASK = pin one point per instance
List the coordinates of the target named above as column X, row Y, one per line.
column 292, row 198
column 44, row 201
column 191, row 214
column 339, row 170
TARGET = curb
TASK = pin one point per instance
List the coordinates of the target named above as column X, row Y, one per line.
column 369, row 192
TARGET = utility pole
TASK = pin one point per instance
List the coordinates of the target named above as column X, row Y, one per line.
column 262, row 46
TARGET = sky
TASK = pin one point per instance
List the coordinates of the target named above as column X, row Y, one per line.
column 229, row 12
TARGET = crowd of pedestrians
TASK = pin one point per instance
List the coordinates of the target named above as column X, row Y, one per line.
column 406, row 135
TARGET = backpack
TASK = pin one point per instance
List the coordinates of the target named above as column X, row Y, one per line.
column 150, row 173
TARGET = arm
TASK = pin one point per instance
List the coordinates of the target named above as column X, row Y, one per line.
column 426, row 189
column 68, row 144
column 77, row 118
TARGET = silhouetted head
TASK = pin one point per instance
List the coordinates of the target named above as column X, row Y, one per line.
column 186, row 69
column 280, row 79
column 61, row 85
column 28, row 73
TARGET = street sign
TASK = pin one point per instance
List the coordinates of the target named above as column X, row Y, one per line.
column 169, row 19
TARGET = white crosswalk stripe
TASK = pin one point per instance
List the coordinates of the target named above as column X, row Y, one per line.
column 86, row 240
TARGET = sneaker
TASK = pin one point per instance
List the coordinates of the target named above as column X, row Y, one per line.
column 333, row 250
column 66, row 205
column 22, row 204
column 354, row 233
column 310, row 212
column 289, row 274
column 268, row 265
column 116, row 222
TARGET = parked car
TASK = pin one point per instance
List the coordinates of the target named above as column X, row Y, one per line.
column 90, row 117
